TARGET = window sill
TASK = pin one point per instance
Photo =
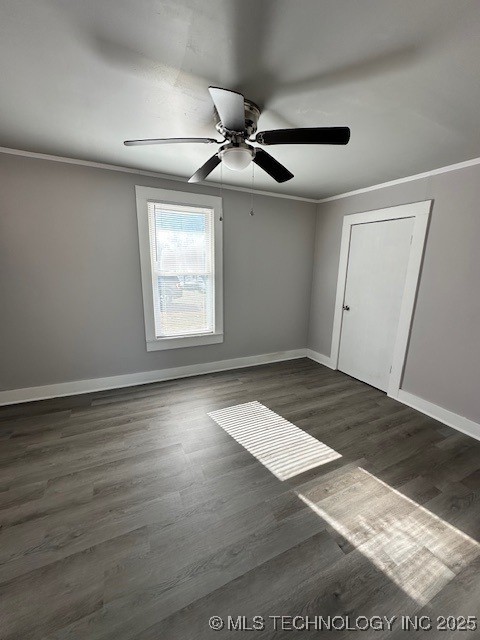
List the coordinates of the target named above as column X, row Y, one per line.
column 162, row 344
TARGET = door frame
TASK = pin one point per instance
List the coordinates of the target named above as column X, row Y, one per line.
column 420, row 211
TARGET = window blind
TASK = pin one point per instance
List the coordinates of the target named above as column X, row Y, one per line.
column 183, row 274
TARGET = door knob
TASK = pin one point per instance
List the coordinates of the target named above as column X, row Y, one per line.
column 346, row 307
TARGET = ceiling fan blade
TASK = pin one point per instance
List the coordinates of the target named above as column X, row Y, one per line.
column 230, row 106
column 274, row 169
column 135, row 143
column 313, row 135
column 207, row 168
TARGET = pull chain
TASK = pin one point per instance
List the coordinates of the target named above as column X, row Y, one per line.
column 252, row 211
column 221, row 189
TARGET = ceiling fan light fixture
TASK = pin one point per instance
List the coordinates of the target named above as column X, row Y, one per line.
column 237, row 158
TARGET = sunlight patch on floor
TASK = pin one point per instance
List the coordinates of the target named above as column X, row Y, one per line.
column 419, row 551
column 416, row 549
column 278, row 444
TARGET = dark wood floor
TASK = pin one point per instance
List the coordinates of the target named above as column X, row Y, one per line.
column 132, row 515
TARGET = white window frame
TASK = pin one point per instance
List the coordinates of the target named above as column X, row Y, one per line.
column 144, row 195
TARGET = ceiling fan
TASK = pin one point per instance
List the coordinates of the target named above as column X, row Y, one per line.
column 236, row 120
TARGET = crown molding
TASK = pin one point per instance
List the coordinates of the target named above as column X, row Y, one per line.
column 216, row 185
column 392, row 183
column 151, row 174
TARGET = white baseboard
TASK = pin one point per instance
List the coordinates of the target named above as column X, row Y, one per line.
column 320, row 358
column 454, row 420
column 76, row 387
column 30, row 394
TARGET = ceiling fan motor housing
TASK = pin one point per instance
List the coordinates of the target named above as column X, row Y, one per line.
column 252, row 114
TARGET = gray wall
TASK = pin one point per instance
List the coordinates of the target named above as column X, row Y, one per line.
column 70, row 290
column 443, row 361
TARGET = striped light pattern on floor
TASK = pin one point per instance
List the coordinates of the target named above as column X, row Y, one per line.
column 278, row 444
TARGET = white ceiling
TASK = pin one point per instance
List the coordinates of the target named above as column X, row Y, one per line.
column 79, row 77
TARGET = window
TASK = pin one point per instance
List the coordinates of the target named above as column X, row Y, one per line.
column 180, row 237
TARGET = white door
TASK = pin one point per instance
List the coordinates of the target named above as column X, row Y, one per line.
column 377, row 267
